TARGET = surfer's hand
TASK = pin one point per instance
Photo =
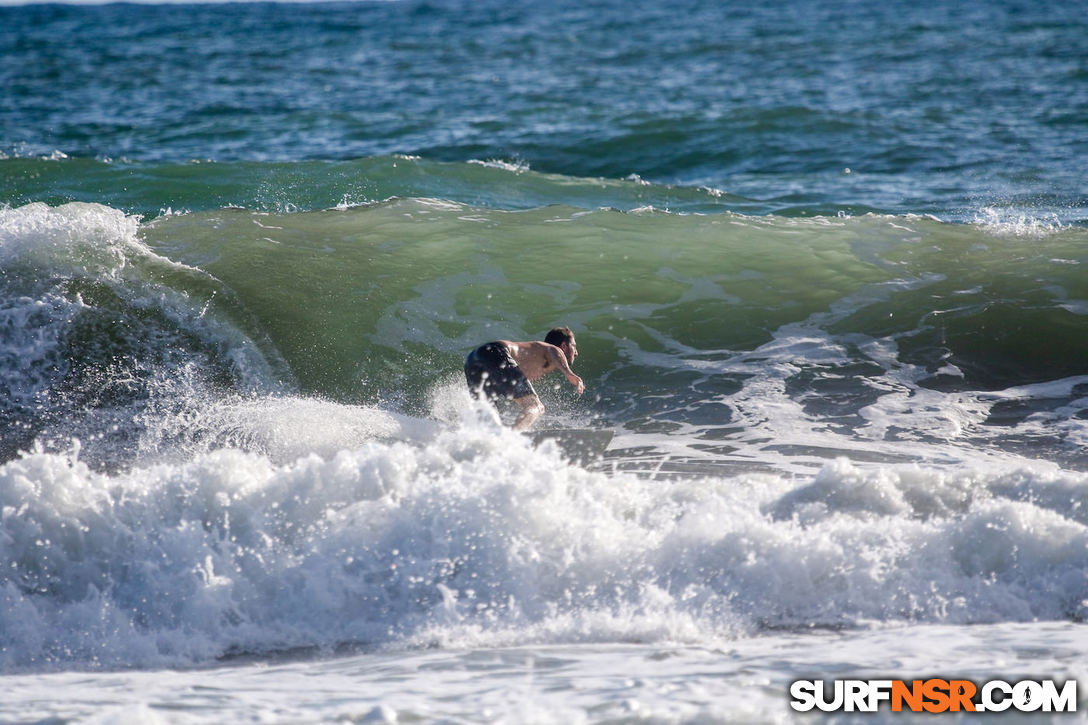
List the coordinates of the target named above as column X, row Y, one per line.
column 577, row 383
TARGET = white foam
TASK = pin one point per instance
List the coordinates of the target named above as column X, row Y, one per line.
column 746, row 681
column 47, row 237
column 517, row 167
column 1016, row 223
column 281, row 427
column 472, row 538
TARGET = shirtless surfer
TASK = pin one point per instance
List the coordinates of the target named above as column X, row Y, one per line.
column 504, row 369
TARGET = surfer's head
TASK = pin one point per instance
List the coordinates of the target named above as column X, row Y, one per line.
column 563, row 338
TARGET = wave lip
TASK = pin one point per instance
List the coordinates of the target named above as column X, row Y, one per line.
column 155, row 189
column 100, row 330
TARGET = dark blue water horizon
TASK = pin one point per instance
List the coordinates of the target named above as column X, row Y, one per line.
column 939, row 108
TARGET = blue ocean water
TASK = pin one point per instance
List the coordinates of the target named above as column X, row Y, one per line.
column 936, row 108
column 825, row 262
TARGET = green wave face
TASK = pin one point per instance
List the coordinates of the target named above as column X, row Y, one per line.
column 373, row 298
column 386, row 297
column 699, row 326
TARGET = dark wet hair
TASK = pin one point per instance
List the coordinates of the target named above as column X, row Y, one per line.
column 557, row 336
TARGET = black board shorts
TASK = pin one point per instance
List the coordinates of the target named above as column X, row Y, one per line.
column 492, row 370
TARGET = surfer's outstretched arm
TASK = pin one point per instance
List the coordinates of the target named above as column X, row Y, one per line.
column 558, row 358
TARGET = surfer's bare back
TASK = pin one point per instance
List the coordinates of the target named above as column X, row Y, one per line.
column 505, row 369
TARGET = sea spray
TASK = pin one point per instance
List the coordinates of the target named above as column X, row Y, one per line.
column 476, row 539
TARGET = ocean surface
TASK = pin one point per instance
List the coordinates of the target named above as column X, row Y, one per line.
column 827, row 264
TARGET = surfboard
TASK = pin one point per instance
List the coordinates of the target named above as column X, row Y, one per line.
column 580, row 445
